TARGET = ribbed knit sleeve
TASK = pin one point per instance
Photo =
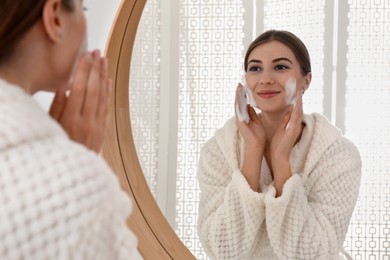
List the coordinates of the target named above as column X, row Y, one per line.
column 230, row 213
column 58, row 199
column 312, row 224
column 62, row 205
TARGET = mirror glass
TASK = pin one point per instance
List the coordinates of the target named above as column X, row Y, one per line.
column 187, row 61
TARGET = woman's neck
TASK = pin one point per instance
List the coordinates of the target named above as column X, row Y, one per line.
column 271, row 122
column 14, row 75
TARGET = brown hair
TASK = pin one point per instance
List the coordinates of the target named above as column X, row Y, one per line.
column 17, row 17
column 290, row 40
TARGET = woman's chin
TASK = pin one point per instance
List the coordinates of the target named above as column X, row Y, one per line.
column 276, row 109
column 290, row 107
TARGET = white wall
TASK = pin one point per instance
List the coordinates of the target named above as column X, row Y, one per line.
column 100, row 16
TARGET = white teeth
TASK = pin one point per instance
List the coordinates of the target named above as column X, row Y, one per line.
column 291, row 88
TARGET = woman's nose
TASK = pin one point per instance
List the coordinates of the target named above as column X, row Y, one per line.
column 266, row 79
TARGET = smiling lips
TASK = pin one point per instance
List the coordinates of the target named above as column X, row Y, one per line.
column 268, row 93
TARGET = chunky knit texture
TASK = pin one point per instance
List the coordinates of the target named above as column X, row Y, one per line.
column 58, row 199
column 308, row 221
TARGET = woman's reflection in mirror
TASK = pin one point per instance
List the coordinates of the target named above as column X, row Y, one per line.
column 284, row 184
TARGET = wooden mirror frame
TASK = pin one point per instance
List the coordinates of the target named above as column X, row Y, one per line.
column 156, row 238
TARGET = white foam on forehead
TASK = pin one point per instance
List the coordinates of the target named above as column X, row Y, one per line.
column 291, row 88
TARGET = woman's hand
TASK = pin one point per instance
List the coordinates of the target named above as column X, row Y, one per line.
column 288, row 132
column 253, row 132
column 283, row 142
column 255, row 139
column 83, row 113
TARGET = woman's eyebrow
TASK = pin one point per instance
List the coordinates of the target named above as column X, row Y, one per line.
column 255, row 61
column 281, row 59
column 273, row 61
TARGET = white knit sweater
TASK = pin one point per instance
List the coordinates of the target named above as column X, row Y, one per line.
column 308, row 221
column 58, row 199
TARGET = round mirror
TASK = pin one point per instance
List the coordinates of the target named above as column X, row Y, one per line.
column 181, row 90
column 172, row 110
column 156, row 238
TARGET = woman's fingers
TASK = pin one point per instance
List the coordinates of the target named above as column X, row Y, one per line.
column 93, row 89
column 237, row 97
column 103, row 112
column 78, row 89
column 297, row 113
column 83, row 114
column 238, row 106
column 59, row 103
column 252, row 114
column 286, row 120
column 105, row 90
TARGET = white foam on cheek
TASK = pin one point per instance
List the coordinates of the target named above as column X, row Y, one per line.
column 248, row 93
column 84, row 44
column 240, row 116
column 250, row 97
column 83, row 47
column 241, row 109
column 291, row 88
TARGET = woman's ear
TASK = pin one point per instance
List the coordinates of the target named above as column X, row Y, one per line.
column 307, row 80
column 52, row 20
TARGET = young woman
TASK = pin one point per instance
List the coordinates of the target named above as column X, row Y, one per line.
column 58, row 199
column 284, row 184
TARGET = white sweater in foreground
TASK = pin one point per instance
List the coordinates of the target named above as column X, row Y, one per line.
column 58, row 199
column 308, row 221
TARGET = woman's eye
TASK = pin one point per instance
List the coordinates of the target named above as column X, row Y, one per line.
column 281, row 67
column 254, row 68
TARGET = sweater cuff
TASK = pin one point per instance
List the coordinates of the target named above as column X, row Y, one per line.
column 242, row 186
column 290, row 187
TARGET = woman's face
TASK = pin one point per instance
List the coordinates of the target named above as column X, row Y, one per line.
column 274, row 76
column 74, row 40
